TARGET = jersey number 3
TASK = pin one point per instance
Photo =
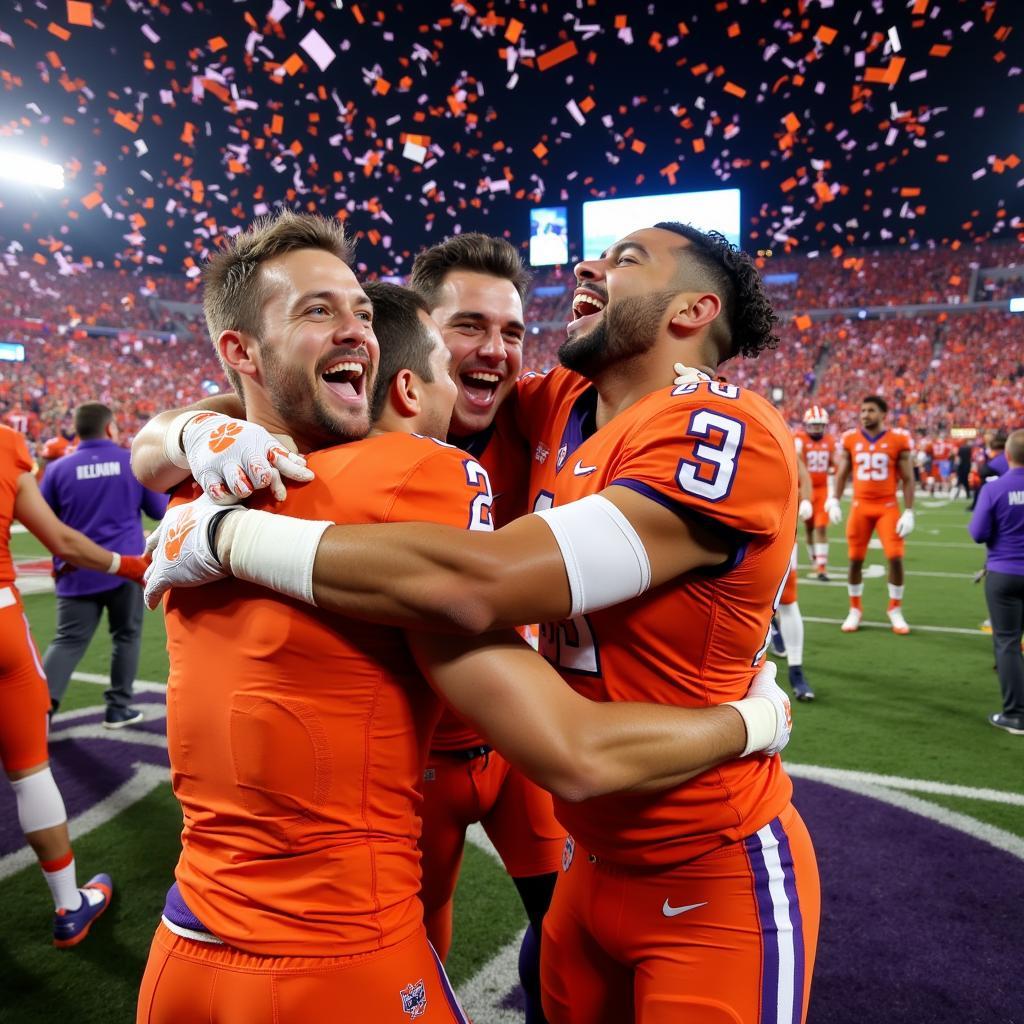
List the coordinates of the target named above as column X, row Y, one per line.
column 710, row 473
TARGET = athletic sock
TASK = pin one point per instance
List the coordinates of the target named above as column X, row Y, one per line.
column 791, row 626
column 60, row 877
column 855, row 590
column 821, row 557
column 895, row 596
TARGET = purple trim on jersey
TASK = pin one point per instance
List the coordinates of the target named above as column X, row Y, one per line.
column 873, row 440
column 795, row 916
column 446, row 987
column 177, row 912
column 581, row 424
column 732, row 537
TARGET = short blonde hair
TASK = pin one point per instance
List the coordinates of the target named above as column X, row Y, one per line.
column 233, row 290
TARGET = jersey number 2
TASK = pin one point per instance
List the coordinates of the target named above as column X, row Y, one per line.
column 480, row 506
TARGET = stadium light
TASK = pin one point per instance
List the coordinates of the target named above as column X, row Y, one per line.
column 27, row 170
column 1017, row 305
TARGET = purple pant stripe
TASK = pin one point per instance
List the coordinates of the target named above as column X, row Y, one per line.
column 769, row 946
column 795, row 917
column 446, row 987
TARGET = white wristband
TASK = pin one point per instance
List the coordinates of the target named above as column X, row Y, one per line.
column 115, row 563
column 760, row 718
column 605, row 559
column 275, row 551
column 173, row 449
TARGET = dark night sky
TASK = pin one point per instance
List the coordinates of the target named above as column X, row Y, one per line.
column 703, row 96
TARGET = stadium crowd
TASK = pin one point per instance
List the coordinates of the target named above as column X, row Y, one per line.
column 106, row 335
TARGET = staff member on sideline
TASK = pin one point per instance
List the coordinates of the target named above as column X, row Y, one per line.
column 95, row 492
column 998, row 522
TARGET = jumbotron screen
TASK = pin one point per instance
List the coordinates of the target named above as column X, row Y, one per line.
column 549, row 236
column 605, row 221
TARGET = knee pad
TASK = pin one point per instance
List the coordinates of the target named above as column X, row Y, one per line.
column 40, row 804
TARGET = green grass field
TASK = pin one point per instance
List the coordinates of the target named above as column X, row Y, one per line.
column 912, row 706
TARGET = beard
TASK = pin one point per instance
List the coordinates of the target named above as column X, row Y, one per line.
column 627, row 330
column 297, row 401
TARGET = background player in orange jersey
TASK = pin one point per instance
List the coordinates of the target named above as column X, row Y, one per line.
column 475, row 287
column 817, row 450
column 297, row 758
column 663, row 536
column 879, row 460
column 25, row 698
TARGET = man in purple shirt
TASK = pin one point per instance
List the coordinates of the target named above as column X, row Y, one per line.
column 94, row 491
column 998, row 522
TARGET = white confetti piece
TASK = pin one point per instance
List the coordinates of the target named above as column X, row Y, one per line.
column 318, row 49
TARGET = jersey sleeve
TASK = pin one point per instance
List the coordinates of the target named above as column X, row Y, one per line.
column 447, row 487
column 22, row 460
column 713, row 456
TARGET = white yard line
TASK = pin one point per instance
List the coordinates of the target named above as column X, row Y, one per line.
column 484, row 993
column 913, row 628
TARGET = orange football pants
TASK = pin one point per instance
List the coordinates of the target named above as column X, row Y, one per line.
column 24, row 696
column 189, row 982
column 517, row 815
column 728, row 938
column 867, row 517
column 819, row 495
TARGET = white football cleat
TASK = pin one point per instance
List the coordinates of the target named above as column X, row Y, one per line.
column 852, row 622
column 899, row 624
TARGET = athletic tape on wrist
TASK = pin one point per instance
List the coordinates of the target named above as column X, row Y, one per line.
column 276, row 552
column 761, row 719
column 115, row 563
column 173, row 448
column 605, row 560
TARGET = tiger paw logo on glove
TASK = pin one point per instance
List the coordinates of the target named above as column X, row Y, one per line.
column 177, row 535
column 224, row 436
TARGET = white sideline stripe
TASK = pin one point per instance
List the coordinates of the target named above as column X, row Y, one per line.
column 483, row 994
column 913, row 628
column 148, row 685
column 18, row 528
column 98, row 732
column 934, row 575
column 846, row 778
column 997, row 837
column 144, row 780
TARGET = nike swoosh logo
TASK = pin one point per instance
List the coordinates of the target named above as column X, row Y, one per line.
column 669, row 911
column 580, row 470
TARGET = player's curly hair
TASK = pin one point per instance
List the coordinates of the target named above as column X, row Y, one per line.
column 481, row 254
column 746, row 325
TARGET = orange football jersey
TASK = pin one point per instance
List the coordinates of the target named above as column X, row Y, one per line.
column 874, row 462
column 501, row 450
column 724, row 456
column 942, row 450
column 14, row 460
column 819, row 456
column 298, row 738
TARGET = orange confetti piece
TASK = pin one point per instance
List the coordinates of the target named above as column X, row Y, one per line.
column 358, row 14
column 735, row 90
column 698, row 145
column 540, row 151
column 823, row 192
column 292, row 64
column 59, row 31
column 802, row 322
column 939, row 50
column 920, row 6
column 217, row 43
column 587, row 104
column 382, row 87
column 126, row 121
column 621, row 21
column 788, row 185
column 91, row 200
column 638, row 146
column 276, row 124
column 887, row 76
column 909, row 193
column 792, row 122
column 188, row 133
column 733, row 30
column 825, row 35
column 80, row 13
column 513, row 30
column 559, row 54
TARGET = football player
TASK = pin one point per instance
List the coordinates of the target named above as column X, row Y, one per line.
column 25, row 698
column 663, row 535
column 298, row 739
column 817, row 450
column 880, row 461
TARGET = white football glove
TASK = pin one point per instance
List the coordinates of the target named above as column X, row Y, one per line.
column 905, row 524
column 182, row 556
column 806, row 510
column 688, row 374
column 764, row 685
column 833, row 510
column 231, row 458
